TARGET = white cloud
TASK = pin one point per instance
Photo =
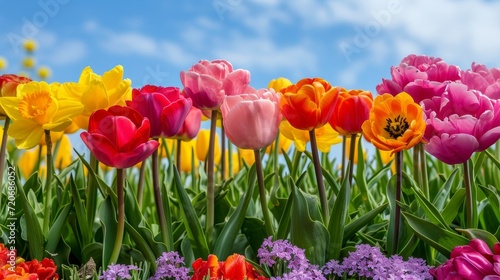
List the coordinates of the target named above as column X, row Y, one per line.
column 130, row 43
column 67, row 52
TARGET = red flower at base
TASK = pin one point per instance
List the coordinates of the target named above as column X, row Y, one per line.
column 235, row 267
column 30, row 270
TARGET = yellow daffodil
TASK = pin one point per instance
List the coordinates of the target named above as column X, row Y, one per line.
column 54, row 137
column 396, row 123
column 325, row 136
column 97, row 92
column 3, row 63
column 29, row 45
column 35, row 109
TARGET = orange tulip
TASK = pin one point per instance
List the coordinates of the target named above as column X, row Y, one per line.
column 210, row 268
column 351, row 110
column 396, row 123
column 235, row 267
column 309, row 103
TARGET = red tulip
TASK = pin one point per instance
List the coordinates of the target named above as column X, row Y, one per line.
column 235, row 267
column 46, row 269
column 259, row 111
column 474, row 261
column 119, row 137
column 210, row 267
column 165, row 108
column 8, row 86
column 351, row 109
column 191, row 125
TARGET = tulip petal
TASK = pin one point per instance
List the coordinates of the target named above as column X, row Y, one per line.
column 173, row 116
column 138, row 154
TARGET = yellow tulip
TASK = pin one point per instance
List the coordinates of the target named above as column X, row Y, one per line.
column 97, row 92
column 325, row 136
column 279, row 83
column 202, row 141
column 35, row 109
column 348, row 149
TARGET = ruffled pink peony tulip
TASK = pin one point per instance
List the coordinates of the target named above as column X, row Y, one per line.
column 459, row 123
column 207, row 82
column 119, row 137
column 251, row 120
column 165, row 108
column 420, row 76
column 474, row 261
column 483, row 79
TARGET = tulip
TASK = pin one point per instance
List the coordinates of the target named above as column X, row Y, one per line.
column 202, row 146
column 472, row 261
column 483, row 79
column 350, row 111
column 191, row 125
column 207, row 82
column 396, row 123
column 119, row 137
column 9, row 83
column 279, row 84
column 235, row 267
column 309, row 103
column 45, row 269
column 325, row 136
column 261, row 114
column 98, row 92
column 209, row 268
column 165, row 108
column 459, row 123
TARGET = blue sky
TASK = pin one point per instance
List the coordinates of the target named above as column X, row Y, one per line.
column 352, row 44
column 349, row 43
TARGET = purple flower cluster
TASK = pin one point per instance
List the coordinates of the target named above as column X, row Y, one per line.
column 170, row 266
column 287, row 261
column 368, row 261
column 118, row 272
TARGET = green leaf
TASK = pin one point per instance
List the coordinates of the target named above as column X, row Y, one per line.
column 493, row 198
column 141, row 244
column 56, row 229
column 442, row 196
column 453, row 206
column 107, row 214
column 306, row 233
column 81, row 214
column 357, row 224
column 285, row 221
column 231, row 229
column 193, row 227
column 338, row 216
column 486, row 236
column 437, row 237
column 361, row 178
column 34, row 234
column 431, row 212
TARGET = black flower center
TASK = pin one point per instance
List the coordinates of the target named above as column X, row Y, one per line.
column 396, row 127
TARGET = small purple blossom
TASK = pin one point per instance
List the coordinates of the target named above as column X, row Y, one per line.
column 170, row 266
column 282, row 252
column 118, row 272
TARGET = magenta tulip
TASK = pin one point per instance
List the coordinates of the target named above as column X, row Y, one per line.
column 191, row 125
column 207, row 82
column 474, row 261
column 251, row 120
column 459, row 123
column 483, row 79
column 119, row 137
column 165, row 107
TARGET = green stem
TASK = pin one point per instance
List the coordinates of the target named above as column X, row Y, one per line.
column 230, row 159
column 417, row 165
column 223, row 153
column 48, row 184
column 352, row 151
column 140, row 184
column 470, row 197
column 3, row 148
column 397, row 216
column 91, row 197
column 159, row 203
column 120, row 178
column 210, row 180
column 262, row 194
column 319, row 177
column 344, row 148
column 178, row 153
column 423, row 170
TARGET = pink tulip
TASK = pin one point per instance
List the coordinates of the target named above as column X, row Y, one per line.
column 483, row 79
column 207, row 82
column 165, row 108
column 420, row 76
column 119, row 137
column 251, row 120
column 459, row 123
column 474, row 261
column 191, row 125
